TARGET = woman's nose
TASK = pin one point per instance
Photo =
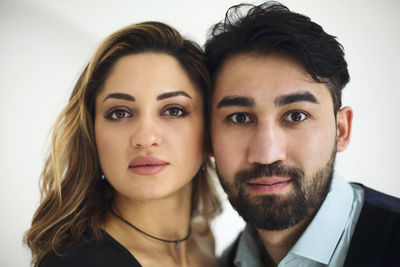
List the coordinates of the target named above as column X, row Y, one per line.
column 146, row 134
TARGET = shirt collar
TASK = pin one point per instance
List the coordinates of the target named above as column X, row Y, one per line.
column 322, row 235
column 249, row 248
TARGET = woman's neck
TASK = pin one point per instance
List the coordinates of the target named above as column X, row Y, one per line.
column 167, row 218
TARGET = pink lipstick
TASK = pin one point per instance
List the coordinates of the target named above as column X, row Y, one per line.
column 147, row 165
column 269, row 184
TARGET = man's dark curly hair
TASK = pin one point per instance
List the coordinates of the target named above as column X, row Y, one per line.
column 272, row 28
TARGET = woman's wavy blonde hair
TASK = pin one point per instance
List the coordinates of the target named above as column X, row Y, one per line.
column 73, row 197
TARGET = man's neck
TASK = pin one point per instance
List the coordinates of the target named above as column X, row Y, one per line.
column 278, row 243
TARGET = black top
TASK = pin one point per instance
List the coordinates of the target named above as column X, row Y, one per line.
column 103, row 253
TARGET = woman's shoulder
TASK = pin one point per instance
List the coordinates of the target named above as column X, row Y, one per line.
column 91, row 252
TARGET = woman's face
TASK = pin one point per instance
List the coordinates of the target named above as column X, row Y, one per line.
column 149, row 127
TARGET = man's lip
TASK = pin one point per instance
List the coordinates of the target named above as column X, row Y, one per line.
column 269, row 185
column 269, row 181
column 141, row 161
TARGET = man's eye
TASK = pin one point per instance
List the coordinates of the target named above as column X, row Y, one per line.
column 118, row 114
column 175, row 112
column 296, row 116
column 240, row 118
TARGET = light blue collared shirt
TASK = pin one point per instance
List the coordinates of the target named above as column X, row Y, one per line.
column 325, row 241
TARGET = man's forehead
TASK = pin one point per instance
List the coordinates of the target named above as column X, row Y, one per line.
column 265, row 79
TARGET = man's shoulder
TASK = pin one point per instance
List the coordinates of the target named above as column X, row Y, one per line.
column 381, row 200
column 380, row 215
column 376, row 239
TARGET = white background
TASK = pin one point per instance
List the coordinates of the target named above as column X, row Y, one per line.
column 45, row 44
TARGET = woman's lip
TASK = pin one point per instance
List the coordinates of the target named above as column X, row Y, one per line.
column 141, row 161
column 148, row 169
column 147, row 165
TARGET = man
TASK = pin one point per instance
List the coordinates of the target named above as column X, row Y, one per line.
column 276, row 126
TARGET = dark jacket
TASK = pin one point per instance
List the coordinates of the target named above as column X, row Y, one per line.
column 376, row 238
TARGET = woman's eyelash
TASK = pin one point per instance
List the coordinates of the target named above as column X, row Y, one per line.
column 117, row 114
column 174, row 111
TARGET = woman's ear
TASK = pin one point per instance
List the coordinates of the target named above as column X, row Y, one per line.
column 344, row 119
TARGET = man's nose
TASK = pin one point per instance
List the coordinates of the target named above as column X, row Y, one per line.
column 145, row 133
column 267, row 144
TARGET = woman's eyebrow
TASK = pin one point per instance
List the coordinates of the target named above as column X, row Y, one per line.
column 172, row 94
column 122, row 96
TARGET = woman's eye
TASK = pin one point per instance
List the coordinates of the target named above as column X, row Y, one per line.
column 240, row 118
column 119, row 114
column 296, row 116
column 175, row 112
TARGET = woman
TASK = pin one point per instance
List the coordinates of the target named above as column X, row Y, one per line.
column 126, row 181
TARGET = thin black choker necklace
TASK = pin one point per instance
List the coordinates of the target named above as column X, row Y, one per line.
column 177, row 242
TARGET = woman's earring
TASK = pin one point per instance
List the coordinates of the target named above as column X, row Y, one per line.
column 102, row 177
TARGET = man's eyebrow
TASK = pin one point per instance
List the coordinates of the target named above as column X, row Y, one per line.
column 234, row 100
column 172, row 94
column 122, row 96
column 295, row 97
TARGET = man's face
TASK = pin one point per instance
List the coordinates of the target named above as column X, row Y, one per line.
column 273, row 132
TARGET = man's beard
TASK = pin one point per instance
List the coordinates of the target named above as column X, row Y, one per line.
column 277, row 212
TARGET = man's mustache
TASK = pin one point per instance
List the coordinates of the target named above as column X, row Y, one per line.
column 265, row 170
